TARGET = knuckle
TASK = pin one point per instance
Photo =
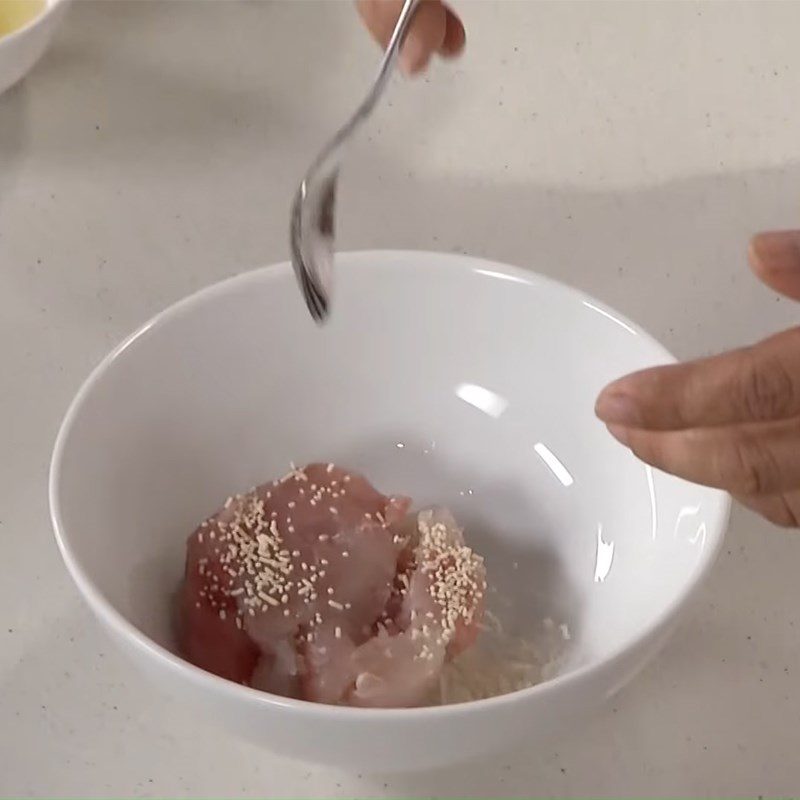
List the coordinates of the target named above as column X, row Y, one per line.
column 791, row 516
column 767, row 389
column 783, row 515
column 747, row 467
column 776, row 509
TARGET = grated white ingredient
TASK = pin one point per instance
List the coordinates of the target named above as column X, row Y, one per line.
column 499, row 663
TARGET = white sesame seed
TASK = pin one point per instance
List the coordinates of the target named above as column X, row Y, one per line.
column 337, row 632
column 334, row 604
column 268, row 599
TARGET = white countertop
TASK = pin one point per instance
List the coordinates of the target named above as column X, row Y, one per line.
column 626, row 149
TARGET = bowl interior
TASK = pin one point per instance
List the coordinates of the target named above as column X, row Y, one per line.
column 17, row 17
column 456, row 381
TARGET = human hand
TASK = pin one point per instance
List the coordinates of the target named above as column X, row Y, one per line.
column 731, row 421
column 435, row 29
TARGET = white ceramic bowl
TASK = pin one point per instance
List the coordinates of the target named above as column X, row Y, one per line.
column 22, row 48
column 455, row 380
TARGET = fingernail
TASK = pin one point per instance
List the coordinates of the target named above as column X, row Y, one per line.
column 776, row 250
column 412, row 55
column 619, row 409
column 620, row 433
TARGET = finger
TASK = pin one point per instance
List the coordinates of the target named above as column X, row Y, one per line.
column 779, row 509
column 755, row 384
column 775, row 258
column 425, row 36
column 455, row 37
column 748, row 460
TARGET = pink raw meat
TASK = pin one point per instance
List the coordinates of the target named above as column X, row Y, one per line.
column 318, row 587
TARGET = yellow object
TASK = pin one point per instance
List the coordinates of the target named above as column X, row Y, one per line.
column 15, row 14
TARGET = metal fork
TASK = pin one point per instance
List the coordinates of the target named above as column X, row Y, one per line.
column 312, row 222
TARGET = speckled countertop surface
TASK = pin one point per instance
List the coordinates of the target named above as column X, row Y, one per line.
column 626, row 149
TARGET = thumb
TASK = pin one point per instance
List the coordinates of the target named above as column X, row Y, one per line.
column 775, row 258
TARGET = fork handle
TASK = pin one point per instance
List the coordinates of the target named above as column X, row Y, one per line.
column 389, row 57
column 375, row 92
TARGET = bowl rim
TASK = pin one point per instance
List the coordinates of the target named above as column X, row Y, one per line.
column 117, row 622
column 50, row 7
